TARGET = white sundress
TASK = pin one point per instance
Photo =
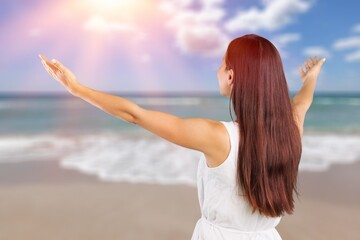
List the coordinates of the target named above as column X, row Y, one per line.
column 224, row 214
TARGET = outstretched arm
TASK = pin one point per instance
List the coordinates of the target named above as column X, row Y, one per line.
column 303, row 99
column 113, row 105
column 195, row 133
column 308, row 78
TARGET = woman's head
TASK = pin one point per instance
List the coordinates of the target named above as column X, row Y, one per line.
column 270, row 143
column 246, row 57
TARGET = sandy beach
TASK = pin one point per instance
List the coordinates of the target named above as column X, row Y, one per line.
column 39, row 200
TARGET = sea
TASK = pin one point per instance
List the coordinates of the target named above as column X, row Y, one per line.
column 80, row 136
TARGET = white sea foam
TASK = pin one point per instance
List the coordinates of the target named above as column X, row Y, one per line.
column 337, row 101
column 29, row 148
column 151, row 159
column 320, row 151
column 145, row 159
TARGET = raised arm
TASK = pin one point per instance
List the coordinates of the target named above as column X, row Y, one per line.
column 308, row 78
column 195, row 133
column 303, row 99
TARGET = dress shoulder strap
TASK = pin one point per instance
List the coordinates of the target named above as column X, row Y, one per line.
column 232, row 130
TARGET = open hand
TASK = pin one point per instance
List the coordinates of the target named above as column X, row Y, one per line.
column 60, row 73
column 312, row 69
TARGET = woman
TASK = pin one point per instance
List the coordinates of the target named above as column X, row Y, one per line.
column 248, row 170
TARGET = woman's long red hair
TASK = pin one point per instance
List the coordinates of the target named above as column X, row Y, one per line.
column 270, row 142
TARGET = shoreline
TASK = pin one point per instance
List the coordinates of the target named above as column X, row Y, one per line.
column 317, row 185
column 41, row 200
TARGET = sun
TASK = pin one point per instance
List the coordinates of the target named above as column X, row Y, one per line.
column 110, row 8
column 110, row 5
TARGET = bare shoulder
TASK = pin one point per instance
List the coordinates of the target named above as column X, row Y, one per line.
column 218, row 134
column 221, row 145
column 215, row 136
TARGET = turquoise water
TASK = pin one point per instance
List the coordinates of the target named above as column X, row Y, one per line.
column 35, row 114
column 84, row 137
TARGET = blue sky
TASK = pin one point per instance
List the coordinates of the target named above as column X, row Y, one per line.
column 171, row 45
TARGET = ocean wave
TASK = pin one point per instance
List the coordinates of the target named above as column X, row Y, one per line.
column 321, row 151
column 151, row 159
column 144, row 159
column 337, row 101
column 20, row 148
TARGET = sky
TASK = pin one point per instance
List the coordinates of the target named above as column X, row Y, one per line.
column 171, row 45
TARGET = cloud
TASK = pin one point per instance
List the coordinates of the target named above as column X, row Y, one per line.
column 273, row 16
column 282, row 40
column 170, row 5
column 354, row 56
column 349, row 43
column 345, row 43
column 285, row 38
column 99, row 24
column 197, row 31
column 211, row 3
column 207, row 40
column 356, row 28
column 203, row 29
column 316, row 51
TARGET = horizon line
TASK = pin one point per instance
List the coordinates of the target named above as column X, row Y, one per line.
column 156, row 93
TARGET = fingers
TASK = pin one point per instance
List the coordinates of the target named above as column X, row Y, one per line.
column 45, row 61
column 307, row 67
column 301, row 70
column 52, row 67
column 46, row 65
column 319, row 62
column 43, row 58
column 322, row 61
column 310, row 63
column 316, row 59
column 58, row 65
column 50, row 71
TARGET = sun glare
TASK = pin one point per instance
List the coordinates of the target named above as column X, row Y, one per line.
column 109, row 5
column 111, row 8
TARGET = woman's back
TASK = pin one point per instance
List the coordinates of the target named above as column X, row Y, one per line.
column 225, row 213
